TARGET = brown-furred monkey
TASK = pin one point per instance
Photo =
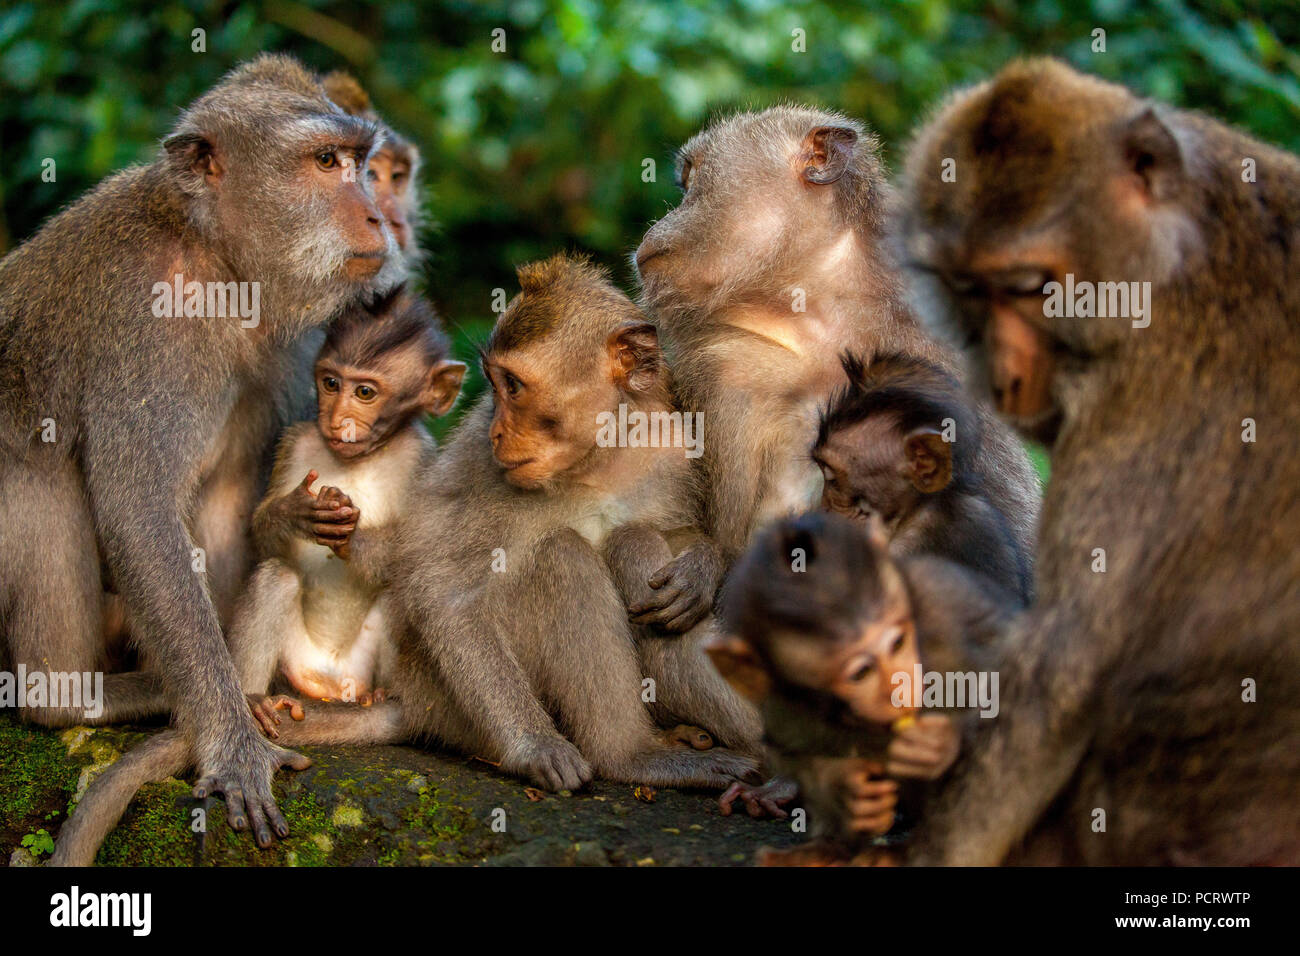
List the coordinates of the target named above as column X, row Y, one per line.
column 826, row 632
column 159, row 415
column 897, row 447
column 1148, row 714
column 775, row 262
column 523, row 547
column 314, row 610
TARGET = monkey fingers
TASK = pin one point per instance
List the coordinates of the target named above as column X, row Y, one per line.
column 760, row 801
column 924, row 750
column 677, row 604
column 870, row 805
column 247, row 792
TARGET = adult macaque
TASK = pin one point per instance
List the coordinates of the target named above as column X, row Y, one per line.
column 393, row 169
column 514, row 638
column 315, row 610
column 1130, row 730
column 161, row 403
column 897, row 448
column 775, row 263
column 827, row 634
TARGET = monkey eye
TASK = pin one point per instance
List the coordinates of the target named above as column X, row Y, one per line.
column 327, row 159
column 897, row 643
column 330, row 383
column 366, row 393
column 513, row 385
column 861, row 670
column 372, row 173
column 399, row 175
column 960, row 283
column 1025, row 281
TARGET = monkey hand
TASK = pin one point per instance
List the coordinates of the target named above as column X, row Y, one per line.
column 265, row 711
column 683, row 590
column 241, row 772
column 925, row 749
column 868, row 800
column 549, row 761
column 334, row 518
column 760, row 801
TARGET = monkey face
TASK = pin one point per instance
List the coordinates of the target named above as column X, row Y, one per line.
column 864, row 474
column 542, row 428
column 336, row 178
column 391, row 173
column 748, row 215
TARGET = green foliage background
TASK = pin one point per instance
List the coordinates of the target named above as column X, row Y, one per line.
column 541, row 147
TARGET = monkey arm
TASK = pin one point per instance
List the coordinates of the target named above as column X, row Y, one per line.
column 370, row 552
column 658, row 589
column 276, row 522
column 1018, row 762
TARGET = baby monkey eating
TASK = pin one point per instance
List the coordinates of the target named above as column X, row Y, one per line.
column 315, row 608
column 827, row 633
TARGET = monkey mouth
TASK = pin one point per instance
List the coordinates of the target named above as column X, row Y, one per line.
column 512, row 465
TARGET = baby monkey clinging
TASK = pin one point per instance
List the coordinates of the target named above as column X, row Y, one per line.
column 897, row 447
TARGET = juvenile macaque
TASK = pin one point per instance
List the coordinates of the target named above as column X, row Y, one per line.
column 164, row 403
column 315, row 610
column 775, row 262
column 897, row 448
column 829, row 634
column 1149, row 711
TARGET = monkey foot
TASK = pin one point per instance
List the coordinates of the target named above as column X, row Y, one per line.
column 265, row 710
column 694, row 737
column 817, row 853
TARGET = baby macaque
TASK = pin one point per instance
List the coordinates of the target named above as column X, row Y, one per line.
column 829, row 635
column 315, row 607
column 897, row 448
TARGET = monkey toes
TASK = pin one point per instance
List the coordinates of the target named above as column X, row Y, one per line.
column 244, row 782
column 265, row 711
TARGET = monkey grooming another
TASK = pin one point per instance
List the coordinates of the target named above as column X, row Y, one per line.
column 314, row 608
column 824, row 627
column 775, row 262
column 1148, row 714
column 133, row 418
column 897, row 448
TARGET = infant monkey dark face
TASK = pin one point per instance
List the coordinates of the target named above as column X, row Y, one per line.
column 380, row 368
column 816, row 607
column 890, row 440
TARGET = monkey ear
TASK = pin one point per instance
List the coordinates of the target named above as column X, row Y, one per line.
column 740, row 666
column 636, row 363
column 827, row 152
column 194, row 157
column 1152, row 154
column 929, row 460
column 442, row 387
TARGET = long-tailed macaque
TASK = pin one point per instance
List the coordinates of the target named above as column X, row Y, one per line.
column 512, row 576
column 141, row 330
column 314, row 610
column 841, row 644
column 1130, row 274
column 774, row 263
column 897, row 448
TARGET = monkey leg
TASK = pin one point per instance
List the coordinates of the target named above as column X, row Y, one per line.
column 577, row 646
column 268, row 617
column 688, row 688
column 54, row 595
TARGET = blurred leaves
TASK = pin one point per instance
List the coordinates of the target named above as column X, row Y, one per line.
column 540, row 147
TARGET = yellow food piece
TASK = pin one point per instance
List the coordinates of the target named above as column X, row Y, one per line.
column 902, row 723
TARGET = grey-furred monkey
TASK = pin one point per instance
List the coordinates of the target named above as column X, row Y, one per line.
column 314, row 611
column 161, row 415
column 776, row 261
column 528, row 548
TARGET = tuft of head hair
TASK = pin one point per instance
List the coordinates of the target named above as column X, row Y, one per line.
column 917, row 392
column 344, row 89
column 566, row 291
column 398, row 320
column 841, row 583
column 277, row 70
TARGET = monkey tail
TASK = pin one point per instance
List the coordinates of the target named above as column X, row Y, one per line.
column 161, row 756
